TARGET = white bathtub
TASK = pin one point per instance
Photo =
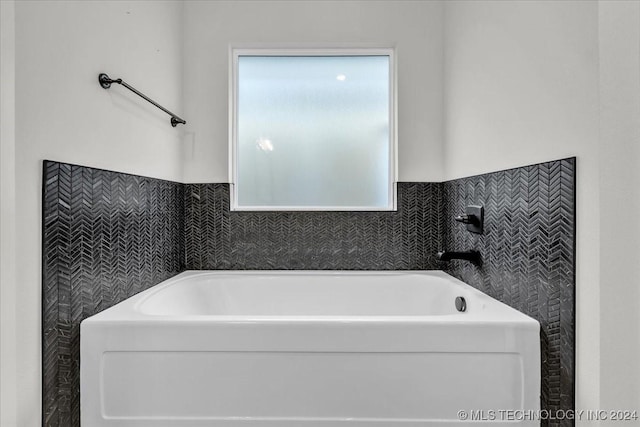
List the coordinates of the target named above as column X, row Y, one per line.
column 308, row 349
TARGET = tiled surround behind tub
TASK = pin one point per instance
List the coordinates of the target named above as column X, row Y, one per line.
column 106, row 236
column 527, row 248
column 403, row 240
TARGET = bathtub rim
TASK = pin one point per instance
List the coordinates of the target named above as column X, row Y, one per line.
column 128, row 310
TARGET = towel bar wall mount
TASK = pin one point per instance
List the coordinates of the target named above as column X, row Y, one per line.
column 105, row 81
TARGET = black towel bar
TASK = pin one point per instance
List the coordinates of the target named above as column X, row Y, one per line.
column 105, row 82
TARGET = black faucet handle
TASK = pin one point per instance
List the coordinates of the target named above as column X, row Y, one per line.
column 473, row 217
column 467, row 219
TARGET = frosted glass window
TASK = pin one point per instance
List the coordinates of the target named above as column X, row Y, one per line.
column 313, row 132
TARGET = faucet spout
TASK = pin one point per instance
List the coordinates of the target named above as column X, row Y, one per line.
column 472, row 256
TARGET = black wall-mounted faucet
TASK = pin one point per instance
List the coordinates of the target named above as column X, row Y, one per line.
column 472, row 256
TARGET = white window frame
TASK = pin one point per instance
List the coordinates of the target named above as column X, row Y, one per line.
column 236, row 52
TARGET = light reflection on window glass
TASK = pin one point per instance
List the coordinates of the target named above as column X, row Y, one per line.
column 313, row 131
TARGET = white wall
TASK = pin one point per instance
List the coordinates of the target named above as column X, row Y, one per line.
column 7, row 216
column 620, row 199
column 527, row 82
column 521, row 83
column 415, row 28
column 63, row 114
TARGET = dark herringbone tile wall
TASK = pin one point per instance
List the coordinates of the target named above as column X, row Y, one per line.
column 219, row 239
column 527, row 250
column 106, row 236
